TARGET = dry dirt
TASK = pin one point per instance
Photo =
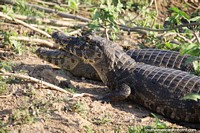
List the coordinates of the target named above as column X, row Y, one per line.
column 32, row 108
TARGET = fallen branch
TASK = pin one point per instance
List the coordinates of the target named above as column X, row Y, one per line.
column 84, row 95
column 61, row 14
column 48, row 10
column 35, row 80
column 194, row 7
column 184, row 38
column 45, row 26
column 197, row 37
column 74, row 32
column 53, row 3
column 45, row 2
column 174, row 34
column 24, row 24
column 47, row 43
column 159, row 30
column 51, row 21
column 3, row 73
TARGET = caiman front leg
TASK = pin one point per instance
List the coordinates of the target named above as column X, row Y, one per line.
column 121, row 92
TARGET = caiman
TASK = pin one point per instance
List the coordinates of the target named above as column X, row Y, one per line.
column 156, row 57
column 156, row 88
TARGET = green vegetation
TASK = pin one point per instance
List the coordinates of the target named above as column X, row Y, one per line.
column 22, row 116
column 3, row 85
column 143, row 129
column 103, row 120
column 4, row 66
column 72, row 90
column 89, row 129
column 105, row 16
column 22, row 9
column 17, row 46
column 73, row 4
column 192, row 96
column 80, row 108
column 2, row 128
column 42, row 106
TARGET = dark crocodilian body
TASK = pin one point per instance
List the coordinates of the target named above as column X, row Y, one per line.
column 156, row 57
column 158, row 89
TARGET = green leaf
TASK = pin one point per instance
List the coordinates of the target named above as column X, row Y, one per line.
column 175, row 9
column 73, row 4
column 197, row 19
column 109, row 2
column 179, row 12
column 102, row 1
column 192, row 49
column 17, row 46
column 196, row 65
column 192, row 96
column 184, row 14
column 171, row 46
column 168, row 45
column 158, row 123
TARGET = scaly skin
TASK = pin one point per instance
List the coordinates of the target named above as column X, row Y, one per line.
column 163, row 58
column 77, row 67
column 158, row 89
column 68, row 62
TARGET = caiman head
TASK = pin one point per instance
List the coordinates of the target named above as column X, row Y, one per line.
column 105, row 56
column 59, row 58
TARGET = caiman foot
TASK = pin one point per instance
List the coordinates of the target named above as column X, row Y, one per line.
column 121, row 93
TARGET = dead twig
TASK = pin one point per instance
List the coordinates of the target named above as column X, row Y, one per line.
column 24, row 24
column 47, row 43
column 75, row 32
column 61, row 14
column 45, row 2
column 6, row 96
column 84, row 95
column 3, row 73
column 48, row 10
column 164, row 35
column 35, row 80
column 196, row 37
column 159, row 30
column 184, row 38
column 154, row 20
column 45, row 26
column 191, row 5
column 50, row 21
column 52, row 3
